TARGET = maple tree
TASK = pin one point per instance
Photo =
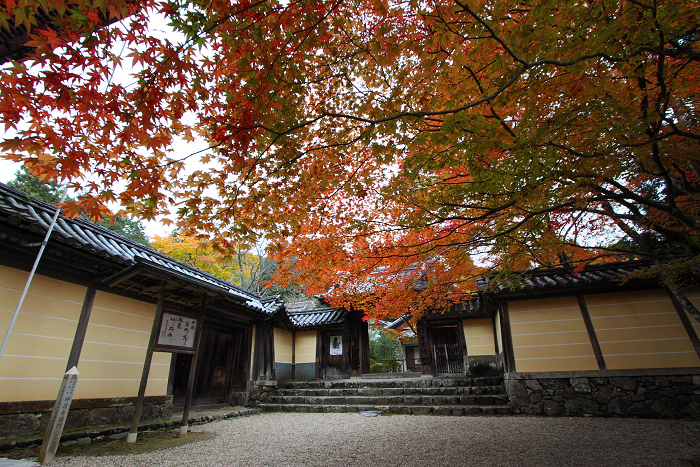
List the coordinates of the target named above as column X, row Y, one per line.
column 376, row 145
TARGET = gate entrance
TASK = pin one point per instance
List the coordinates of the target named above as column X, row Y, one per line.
column 221, row 368
column 448, row 355
column 335, row 352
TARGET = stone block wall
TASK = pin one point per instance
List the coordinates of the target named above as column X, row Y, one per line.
column 673, row 394
column 30, row 418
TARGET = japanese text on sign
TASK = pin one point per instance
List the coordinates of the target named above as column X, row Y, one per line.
column 177, row 331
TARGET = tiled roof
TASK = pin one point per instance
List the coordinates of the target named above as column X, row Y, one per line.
column 34, row 215
column 473, row 307
column 552, row 280
column 318, row 317
column 398, row 322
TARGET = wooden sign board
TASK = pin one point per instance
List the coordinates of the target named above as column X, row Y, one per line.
column 176, row 333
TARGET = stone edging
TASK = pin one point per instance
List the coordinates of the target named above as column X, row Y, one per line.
column 172, row 424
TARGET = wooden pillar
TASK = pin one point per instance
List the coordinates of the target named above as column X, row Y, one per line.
column 131, row 437
column 465, row 350
column 264, row 358
column 425, row 348
column 319, row 354
column 271, row 371
column 592, row 336
column 80, row 330
column 257, row 351
column 498, row 345
column 193, row 370
column 294, row 355
column 508, row 353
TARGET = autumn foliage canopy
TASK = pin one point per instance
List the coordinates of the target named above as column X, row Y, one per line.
column 397, row 147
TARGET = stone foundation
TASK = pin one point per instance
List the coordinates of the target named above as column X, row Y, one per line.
column 667, row 393
column 259, row 391
column 29, row 418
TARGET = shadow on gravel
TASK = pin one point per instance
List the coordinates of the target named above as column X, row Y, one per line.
column 146, row 442
column 692, row 462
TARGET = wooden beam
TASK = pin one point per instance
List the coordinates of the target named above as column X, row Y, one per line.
column 689, row 329
column 131, row 437
column 124, row 274
column 592, row 336
column 80, row 330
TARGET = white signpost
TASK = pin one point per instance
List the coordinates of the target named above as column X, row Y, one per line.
column 58, row 416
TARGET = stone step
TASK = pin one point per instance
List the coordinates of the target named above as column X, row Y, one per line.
column 379, row 391
column 394, row 383
column 390, row 400
column 459, row 410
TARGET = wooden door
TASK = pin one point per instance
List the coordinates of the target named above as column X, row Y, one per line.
column 213, row 367
column 412, row 358
column 221, row 367
column 335, row 348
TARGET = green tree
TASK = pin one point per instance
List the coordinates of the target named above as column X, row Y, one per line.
column 48, row 191
column 51, row 192
column 130, row 228
column 385, row 350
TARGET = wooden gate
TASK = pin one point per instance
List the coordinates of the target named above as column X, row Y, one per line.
column 447, row 350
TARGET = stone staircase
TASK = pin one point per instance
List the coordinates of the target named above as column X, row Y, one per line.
column 417, row 396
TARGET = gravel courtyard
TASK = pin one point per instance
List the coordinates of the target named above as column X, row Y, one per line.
column 350, row 439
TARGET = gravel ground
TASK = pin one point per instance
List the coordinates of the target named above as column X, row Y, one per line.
column 350, row 439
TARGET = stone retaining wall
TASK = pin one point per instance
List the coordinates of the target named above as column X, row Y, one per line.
column 32, row 417
column 666, row 393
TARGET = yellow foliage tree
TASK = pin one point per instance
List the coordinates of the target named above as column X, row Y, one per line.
column 244, row 268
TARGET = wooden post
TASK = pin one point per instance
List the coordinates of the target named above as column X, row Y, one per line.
column 465, row 349
column 294, row 355
column 80, row 330
column 592, row 336
column 131, row 437
column 425, row 348
column 58, row 416
column 193, row 370
column 319, row 353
